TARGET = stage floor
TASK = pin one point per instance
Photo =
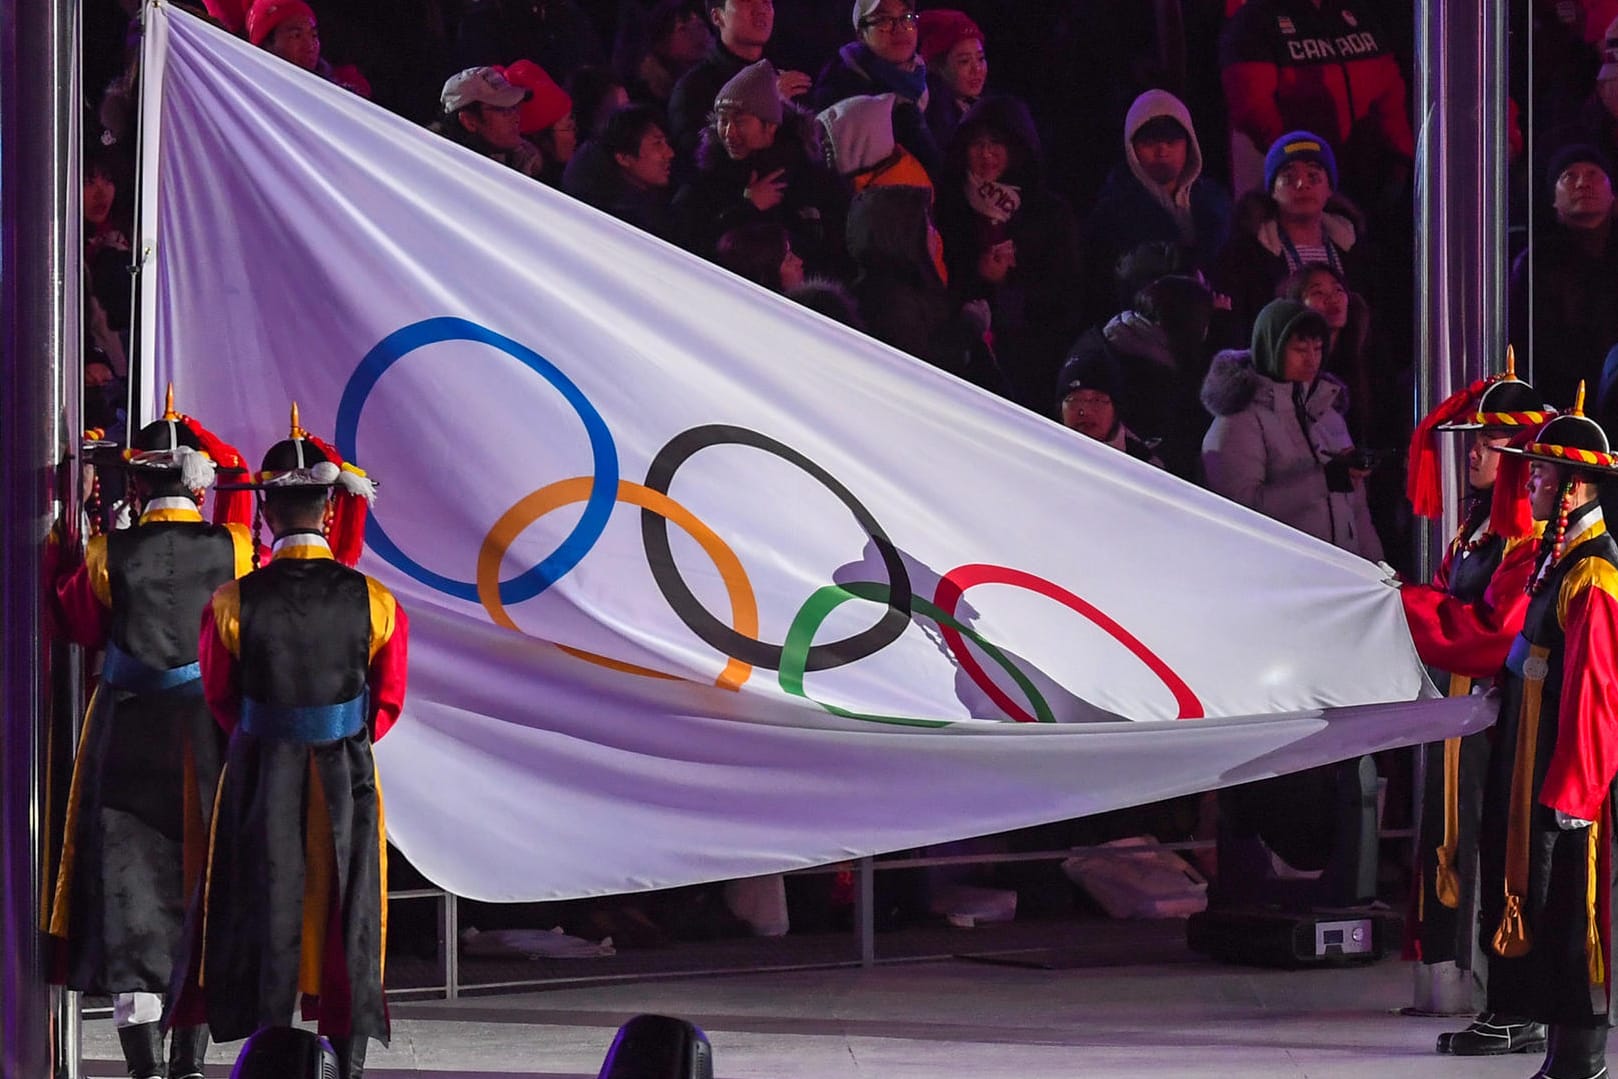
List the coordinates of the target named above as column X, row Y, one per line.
column 927, row 1019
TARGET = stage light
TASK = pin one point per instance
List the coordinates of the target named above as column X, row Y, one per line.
column 286, row 1053
column 658, row 1047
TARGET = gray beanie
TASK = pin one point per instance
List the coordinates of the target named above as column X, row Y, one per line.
column 753, row 91
column 864, row 9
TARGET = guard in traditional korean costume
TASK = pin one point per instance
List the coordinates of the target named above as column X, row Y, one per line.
column 1463, row 624
column 1546, row 833
column 149, row 753
column 303, row 663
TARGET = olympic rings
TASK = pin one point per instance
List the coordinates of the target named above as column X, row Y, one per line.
column 955, row 583
column 743, row 605
column 738, row 641
column 655, row 535
column 800, row 641
column 604, row 456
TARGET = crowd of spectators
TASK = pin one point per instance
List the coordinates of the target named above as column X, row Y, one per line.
column 1183, row 228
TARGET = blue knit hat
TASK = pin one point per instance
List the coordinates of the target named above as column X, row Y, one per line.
column 1299, row 146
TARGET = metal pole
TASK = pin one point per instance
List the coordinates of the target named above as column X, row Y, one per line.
column 39, row 295
column 1461, row 200
column 865, row 909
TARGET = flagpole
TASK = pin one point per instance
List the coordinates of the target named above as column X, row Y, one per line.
column 39, row 324
column 1461, row 203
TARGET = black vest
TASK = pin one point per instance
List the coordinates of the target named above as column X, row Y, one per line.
column 1471, row 572
column 305, row 633
column 162, row 576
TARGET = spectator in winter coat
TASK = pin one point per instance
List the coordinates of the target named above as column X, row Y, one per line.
column 1278, row 443
column 1595, row 122
column 1348, row 322
column 1294, row 222
column 762, row 253
column 882, row 59
column 858, row 138
column 625, row 171
column 545, row 119
column 1090, row 386
column 481, row 111
column 952, row 47
column 756, row 163
column 744, row 28
column 902, row 286
column 1573, row 262
column 1158, row 345
column 288, row 29
column 1010, row 240
column 1324, row 66
column 655, row 48
column 1157, row 193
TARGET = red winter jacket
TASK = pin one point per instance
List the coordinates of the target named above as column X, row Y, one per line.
column 1289, row 65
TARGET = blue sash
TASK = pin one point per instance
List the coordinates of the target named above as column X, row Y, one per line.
column 311, row 723
column 1517, row 655
column 120, row 670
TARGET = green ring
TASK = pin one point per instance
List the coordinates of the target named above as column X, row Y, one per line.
column 795, row 650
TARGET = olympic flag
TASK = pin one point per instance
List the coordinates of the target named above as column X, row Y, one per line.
column 701, row 584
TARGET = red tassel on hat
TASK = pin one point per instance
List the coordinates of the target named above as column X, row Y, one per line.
column 347, row 533
column 1509, row 513
column 229, row 507
column 1424, row 484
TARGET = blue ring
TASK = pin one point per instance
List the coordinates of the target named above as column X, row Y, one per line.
column 603, row 490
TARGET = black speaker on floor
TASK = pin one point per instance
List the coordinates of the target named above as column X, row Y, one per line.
column 1297, row 873
column 285, row 1053
column 658, row 1047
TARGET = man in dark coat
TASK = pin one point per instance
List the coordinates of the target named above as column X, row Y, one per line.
column 756, row 164
column 1573, row 263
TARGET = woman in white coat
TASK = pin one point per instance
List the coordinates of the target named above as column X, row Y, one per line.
column 1279, row 443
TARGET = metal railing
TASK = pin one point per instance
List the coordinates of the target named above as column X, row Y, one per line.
column 865, row 870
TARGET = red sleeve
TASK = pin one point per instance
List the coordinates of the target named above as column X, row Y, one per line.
column 1250, row 90
column 1586, row 755
column 386, row 679
column 1390, row 107
column 221, row 681
column 1471, row 639
column 79, row 614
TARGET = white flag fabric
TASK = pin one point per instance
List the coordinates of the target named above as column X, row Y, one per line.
column 701, row 584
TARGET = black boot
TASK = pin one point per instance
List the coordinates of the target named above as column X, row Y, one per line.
column 143, row 1050
column 351, row 1057
column 188, row 1047
column 1575, row 1053
column 1493, row 1034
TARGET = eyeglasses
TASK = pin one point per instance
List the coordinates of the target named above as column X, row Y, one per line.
column 892, row 24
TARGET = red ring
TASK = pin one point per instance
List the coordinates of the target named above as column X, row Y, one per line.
column 954, row 584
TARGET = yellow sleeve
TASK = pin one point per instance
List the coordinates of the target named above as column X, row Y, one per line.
column 95, row 563
column 384, row 610
column 1589, row 573
column 227, row 617
column 241, row 540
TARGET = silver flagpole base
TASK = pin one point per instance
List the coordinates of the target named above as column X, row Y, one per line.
column 1443, row 989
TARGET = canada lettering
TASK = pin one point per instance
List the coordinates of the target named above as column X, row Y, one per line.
column 1340, row 48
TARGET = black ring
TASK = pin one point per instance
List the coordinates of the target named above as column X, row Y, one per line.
column 654, row 532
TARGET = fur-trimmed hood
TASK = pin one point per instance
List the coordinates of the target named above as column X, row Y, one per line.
column 796, row 143
column 1233, row 384
column 1255, row 214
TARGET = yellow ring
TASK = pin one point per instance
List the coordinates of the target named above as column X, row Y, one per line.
column 530, row 508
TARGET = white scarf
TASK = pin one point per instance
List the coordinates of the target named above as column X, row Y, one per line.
column 992, row 199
